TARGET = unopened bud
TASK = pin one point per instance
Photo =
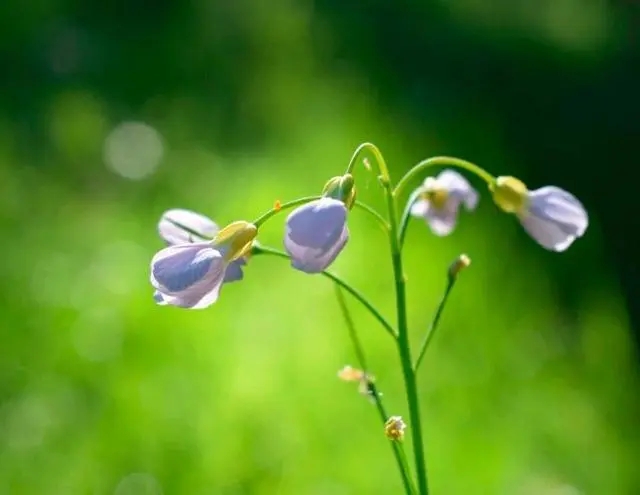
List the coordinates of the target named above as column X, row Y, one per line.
column 342, row 188
column 460, row 263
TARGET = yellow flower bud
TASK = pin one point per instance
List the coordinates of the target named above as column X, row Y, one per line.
column 238, row 236
column 510, row 194
column 394, row 428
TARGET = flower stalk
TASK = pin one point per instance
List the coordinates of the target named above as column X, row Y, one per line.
column 201, row 258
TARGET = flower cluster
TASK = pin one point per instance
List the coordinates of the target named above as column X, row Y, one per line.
column 200, row 258
column 552, row 216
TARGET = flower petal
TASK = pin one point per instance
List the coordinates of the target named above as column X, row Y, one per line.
column 458, row 187
column 419, row 208
column 313, row 260
column 317, row 224
column 180, row 226
column 193, row 299
column 547, row 233
column 560, row 207
column 177, row 268
column 188, row 275
column 442, row 221
column 316, row 233
column 159, row 298
column 234, row 271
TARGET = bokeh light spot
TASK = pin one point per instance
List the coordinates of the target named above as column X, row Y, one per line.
column 133, row 150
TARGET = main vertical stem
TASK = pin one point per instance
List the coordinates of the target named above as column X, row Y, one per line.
column 404, row 347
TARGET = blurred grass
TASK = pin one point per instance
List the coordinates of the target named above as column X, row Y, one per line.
column 102, row 392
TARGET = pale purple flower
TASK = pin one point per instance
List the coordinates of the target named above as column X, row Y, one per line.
column 554, row 218
column 440, row 199
column 180, row 226
column 188, row 275
column 316, row 233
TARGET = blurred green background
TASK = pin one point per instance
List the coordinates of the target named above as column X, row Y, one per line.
column 113, row 112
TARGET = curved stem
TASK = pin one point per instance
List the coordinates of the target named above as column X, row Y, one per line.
column 442, row 161
column 398, row 449
column 434, row 323
column 404, row 348
column 260, row 249
column 379, row 218
column 284, row 206
column 406, row 216
column 382, row 167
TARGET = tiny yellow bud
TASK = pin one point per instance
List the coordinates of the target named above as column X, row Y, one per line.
column 238, row 236
column 459, row 264
column 394, row 428
column 510, row 194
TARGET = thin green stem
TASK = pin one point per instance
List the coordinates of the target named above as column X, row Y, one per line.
column 300, row 201
column 406, row 216
column 382, row 167
column 284, row 206
column 442, row 161
column 404, row 348
column 398, row 449
column 351, row 327
column 434, row 323
column 258, row 249
column 379, row 218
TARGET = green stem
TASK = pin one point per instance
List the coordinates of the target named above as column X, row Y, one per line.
column 284, row 206
column 404, row 348
column 442, row 161
column 405, row 353
column 379, row 218
column 301, row 201
column 260, row 249
column 406, row 216
column 398, row 449
column 434, row 323
column 382, row 166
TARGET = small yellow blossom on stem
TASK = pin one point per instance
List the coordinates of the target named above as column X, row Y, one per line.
column 394, row 428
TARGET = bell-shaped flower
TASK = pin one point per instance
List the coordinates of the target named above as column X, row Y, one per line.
column 180, row 226
column 191, row 275
column 316, row 233
column 188, row 275
column 440, row 198
column 553, row 217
